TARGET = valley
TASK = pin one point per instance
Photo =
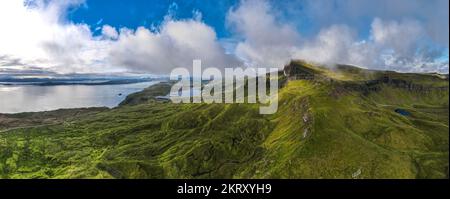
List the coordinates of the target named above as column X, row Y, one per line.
column 340, row 122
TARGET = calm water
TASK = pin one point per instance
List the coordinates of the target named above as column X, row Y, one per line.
column 15, row 99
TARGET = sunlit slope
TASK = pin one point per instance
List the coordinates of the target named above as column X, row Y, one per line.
column 331, row 123
column 319, row 135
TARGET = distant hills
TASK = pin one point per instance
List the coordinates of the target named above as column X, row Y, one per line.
column 50, row 79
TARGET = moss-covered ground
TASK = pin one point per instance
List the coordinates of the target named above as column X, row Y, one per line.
column 323, row 129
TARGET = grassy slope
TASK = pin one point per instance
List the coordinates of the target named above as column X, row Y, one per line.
column 321, row 130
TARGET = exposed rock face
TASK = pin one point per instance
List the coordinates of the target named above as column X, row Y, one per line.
column 305, row 133
column 400, row 83
column 295, row 71
column 301, row 70
column 374, row 85
column 356, row 174
column 306, row 117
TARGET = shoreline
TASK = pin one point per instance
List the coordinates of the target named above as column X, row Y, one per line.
column 86, row 107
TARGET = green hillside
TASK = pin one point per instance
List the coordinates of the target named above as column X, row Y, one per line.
column 343, row 122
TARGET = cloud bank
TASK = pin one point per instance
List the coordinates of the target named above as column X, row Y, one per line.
column 175, row 44
column 402, row 35
column 265, row 41
column 36, row 34
column 403, row 45
column 40, row 37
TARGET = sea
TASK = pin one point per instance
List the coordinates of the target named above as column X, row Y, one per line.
column 35, row 98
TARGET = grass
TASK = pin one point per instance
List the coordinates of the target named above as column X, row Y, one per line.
column 323, row 129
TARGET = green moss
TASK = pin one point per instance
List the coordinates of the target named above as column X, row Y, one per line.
column 323, row 129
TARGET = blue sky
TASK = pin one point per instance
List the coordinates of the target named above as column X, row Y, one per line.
column 153, row 36
column 135, row 13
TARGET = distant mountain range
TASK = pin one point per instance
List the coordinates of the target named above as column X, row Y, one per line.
column 45, row 78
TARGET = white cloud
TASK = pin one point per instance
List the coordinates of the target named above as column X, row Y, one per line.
column 39, row 36
column 335, row 44
column 265, row 42
column 176, row 44
column 402, row 45
column 109, row 32
column 392, row 45
column 403, row 37
column 433, row 13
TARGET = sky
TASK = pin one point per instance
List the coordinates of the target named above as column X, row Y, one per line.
column 150, row 36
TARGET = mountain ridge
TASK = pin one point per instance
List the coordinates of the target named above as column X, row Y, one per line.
column 341, row 122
